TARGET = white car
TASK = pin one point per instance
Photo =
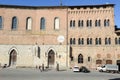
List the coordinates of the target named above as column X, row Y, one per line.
column 76, row 69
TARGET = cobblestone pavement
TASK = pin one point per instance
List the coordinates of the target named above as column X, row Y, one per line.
column 36, row 74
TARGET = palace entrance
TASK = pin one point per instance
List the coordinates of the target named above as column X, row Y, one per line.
column 51, row 58
column 12, row 58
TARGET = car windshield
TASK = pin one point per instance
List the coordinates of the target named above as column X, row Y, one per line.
column 76, row 67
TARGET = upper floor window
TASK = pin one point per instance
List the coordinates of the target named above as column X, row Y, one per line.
column 72, row 41
column 1, row 22
column 106, row 22
column 72, row 23
column 80, row 23
column 56, row 23
column 29, row 23
column 14, row 23
column 42, row 23
column 98, row 41
column 80, row 41
column 107, row 41
column 89, row 41
column 98, row 23
column 89, row 23
column 117, row 40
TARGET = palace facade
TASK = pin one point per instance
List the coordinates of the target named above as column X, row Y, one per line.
column 66, row 35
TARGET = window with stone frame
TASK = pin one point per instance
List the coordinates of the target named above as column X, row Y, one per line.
column 1, row 22
column 14, row 23
column 80, row 58
column 29, row 23
column 42, row 23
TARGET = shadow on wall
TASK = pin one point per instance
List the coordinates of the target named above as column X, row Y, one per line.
column 115, row 79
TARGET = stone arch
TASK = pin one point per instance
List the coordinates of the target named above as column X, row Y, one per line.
column 51, row 55
column 13, row 56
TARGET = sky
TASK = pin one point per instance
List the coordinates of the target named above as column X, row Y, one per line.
column 67, row 3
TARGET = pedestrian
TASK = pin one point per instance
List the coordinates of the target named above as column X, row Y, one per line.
column 40, row 68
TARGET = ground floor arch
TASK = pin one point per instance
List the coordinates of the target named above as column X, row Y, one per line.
column 12, row 57
column 51, row 58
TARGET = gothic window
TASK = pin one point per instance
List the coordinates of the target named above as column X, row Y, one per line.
column 42, row 23
column 80, row 41
column 74, row 41
column 89, row 23
column 71, row 23
column 80, row 23
column 98, row 23
column 71, row 41
column 116, row 41
column 1, row 22
column 80, row 58
column 29, row 23
column 14, row 23
column 56, row 23
column 98, row 41
column 107, row 41
column 89, row 41
column 106, row 22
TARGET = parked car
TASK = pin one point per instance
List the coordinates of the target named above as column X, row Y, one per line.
column 108, row 68
column 75, row 69
column 84, row 69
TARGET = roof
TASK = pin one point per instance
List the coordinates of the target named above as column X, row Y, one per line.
column 63, row 6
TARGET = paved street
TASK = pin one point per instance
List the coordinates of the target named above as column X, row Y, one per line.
column 35, row 74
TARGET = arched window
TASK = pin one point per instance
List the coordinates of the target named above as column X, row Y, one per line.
column 82, row 23
column 71, row 23
column 116, row 41
column 96, row 24
column 82, row 41
column 106, row 22
column 99, row 40
column 99, row 23
column 14, row 23
column 80, row 58
column 38, row 52
column 71, row 41
column 42, row 23
column 96, row 41
column 87, row 23
column 79, row 41
column 109, row 40
column 1, row 22
column 56, row 23
column 29, row 23
column 106, row 42
column 90, row 23
column 79, row 24
column 74, row 41
column 119, row 41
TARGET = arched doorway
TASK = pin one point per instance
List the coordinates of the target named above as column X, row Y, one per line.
column 12, row 58
column 51, row 58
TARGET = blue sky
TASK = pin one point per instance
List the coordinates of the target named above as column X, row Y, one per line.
column 67, row 2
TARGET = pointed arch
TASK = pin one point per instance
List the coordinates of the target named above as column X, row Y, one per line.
column 80, row 58
column 14, row 23
column 13, row 57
